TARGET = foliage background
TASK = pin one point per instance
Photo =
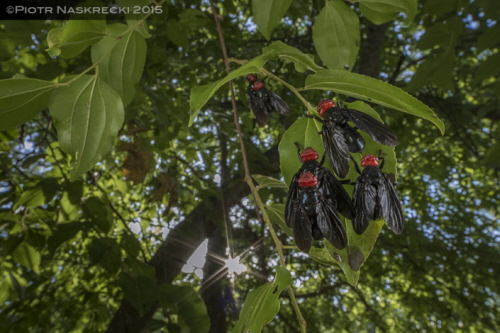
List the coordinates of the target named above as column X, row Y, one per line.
column 105, row 252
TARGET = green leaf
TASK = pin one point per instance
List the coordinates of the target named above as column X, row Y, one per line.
column 27, row 256
column 305, row 131
column 492, row 156
column 489, row 38
column 7, row 289
column 268, row 13
column 30, row 198
column 302, row 61
column 437, row 69
column 266, row 181
column 188, row 305
column 22, row 99
column 87, row 115
column 336, row 35
column 140, row 291
column 323, row 256
column 134, row 267
column 136, row 20
column 378, row 14
column 120, row 59
column 63, row 233
column 106, row 253
column 201, row 94
column 193, row 19
column 41, row 194
column 99, row 213
column 440, row 7
column 130, row 244
column 444, row 34
column 261, row 304
column 176, row 33
column 74, row 37
column 357, row 250
column 75, row 191
column 371, row 90
column 276, row 213
column 385, row 8
column 488, row 68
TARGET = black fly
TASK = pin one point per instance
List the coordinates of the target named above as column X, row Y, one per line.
column 340, row 138
column 314, row 199
column 375, row 197
column 262, row 101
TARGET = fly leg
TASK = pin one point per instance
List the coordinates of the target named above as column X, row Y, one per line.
column 298, row 150
column 355, row 164
column 381, row 158
column 315, row 117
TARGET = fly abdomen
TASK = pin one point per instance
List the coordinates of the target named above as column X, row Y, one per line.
column 354, row 140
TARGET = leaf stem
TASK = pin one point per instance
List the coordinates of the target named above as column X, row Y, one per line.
column 289, row 86
column 248, row 179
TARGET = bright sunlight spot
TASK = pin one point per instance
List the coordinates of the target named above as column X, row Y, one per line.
column 197, row 260
column 234, row 266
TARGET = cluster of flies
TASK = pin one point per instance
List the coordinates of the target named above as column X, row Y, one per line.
column 316, row 197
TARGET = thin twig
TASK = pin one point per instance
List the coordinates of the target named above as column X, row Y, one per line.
column 248, row 179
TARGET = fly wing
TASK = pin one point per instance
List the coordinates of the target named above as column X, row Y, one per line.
column 364, row 200
column 302, row 226
column 293, row 195
column 258, row 106
column 333, row 189
column 336, row 148
column 330, row 225
column 378, row 132
column 278, row 104
column 391, row 206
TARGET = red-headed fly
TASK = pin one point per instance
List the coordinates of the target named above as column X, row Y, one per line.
column 314, row 200
column 340, row 138
column 262, row 101
column 375, row 197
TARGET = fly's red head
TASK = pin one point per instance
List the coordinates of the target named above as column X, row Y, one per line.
column 369, row 160
column 309, row 154
column 258, row 85
column 307, row 179
column 251, row 78
column 324, row 105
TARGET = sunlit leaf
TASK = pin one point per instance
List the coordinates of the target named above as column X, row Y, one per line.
column 74, row 37
column 87, row 115
column 266, row 181
column 276, row 213
column 268, row 13
column 22, row 99
column 301, row 60
column 120, row 59
column 201, row 94
column 134, row 17
column 371, row 90
column 261, row 304
column 381, row 11
column 336, row 35
column 27, row 256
